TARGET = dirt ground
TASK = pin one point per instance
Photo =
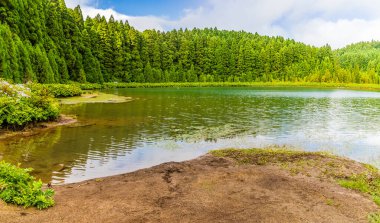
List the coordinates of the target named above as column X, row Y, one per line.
column 207, row 189
column 37, row 128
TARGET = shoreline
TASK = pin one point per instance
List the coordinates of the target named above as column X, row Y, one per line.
column 348, row 86
column 63, row 120
column 222, row 186
column 94, row 97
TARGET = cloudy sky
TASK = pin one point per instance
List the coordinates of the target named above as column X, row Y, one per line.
column 316, row 22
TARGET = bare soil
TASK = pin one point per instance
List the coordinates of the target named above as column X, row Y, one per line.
column 207, row 189
column 35, row 129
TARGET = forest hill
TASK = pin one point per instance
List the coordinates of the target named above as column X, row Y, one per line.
column 44, row 41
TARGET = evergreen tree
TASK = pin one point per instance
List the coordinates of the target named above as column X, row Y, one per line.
column 43, row 40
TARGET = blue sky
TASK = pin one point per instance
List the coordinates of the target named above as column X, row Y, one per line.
column 315, row 22
column 171, row 9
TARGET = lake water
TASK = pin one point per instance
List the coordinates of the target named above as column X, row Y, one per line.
column 170, row 124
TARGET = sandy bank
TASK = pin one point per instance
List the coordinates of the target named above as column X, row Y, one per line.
column 211, row 189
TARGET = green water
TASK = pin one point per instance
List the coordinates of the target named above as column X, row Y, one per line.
column 170, row 124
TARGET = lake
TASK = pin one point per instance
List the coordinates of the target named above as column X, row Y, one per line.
column 170, row 124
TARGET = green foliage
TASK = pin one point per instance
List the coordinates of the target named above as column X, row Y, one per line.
column 19, row 106
column 44, row 40
column 58, row 90
column 229, row 84
column 18, row 187
column 89, row 86
column 264, row 156
column 374, row 218
column 368, row 183
column 363, row 60
column 363, row 178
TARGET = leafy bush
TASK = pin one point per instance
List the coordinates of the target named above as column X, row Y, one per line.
column 20, row 106
column 18, row 187
column 57, row 90
column 89, row 86
column 16, row 114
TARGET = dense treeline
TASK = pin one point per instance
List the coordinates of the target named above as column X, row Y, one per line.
column 363, row 58
column 42, row 40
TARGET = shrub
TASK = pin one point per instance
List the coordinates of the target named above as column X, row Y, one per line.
column 18, row 187
column 89, row 86
column 16, row 114
column 57, row 90
column 20, row 106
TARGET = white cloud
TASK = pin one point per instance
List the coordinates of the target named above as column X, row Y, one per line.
column 315, row 22
column 338, row 33
column 74, row 3
column 139, row 22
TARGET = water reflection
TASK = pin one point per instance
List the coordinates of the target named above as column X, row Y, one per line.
column 163, row 125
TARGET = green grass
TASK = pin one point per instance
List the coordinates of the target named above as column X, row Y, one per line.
column 374, row 217
column 330, row 202
column 363, row 178
column 368, row 183
column 95, row 98
column 18, row 187
column 230, row 84
column 265, row 156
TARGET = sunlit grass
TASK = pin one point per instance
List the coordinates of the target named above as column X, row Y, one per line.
column 95, row 98
column 374, row 217
column 363, row 178
column 89, row 86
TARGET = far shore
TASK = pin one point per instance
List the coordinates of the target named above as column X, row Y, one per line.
column 284, row 84
column 222, row 186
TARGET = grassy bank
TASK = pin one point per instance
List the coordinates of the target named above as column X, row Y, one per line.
column 76, row 89
column 349, row 174
column 98, row 97
column 230, row 84
column 360, row 177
